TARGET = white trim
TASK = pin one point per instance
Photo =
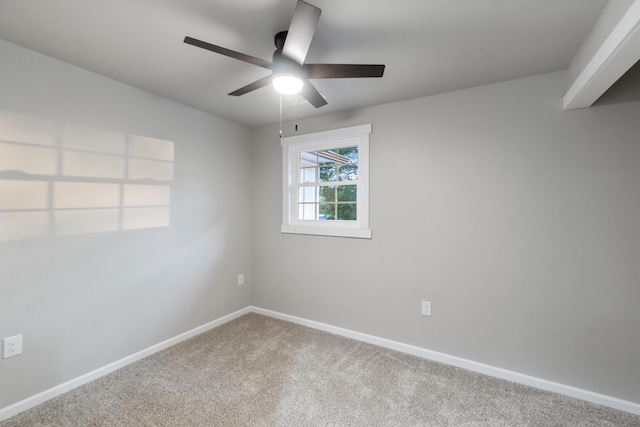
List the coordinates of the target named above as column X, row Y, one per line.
column 328, row 135
column 589, row 396
column 336, row 231
column 291, row 148
column 616, row 55
column 37, row 399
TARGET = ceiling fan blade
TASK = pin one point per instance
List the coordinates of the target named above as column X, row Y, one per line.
column 303, row 25
column 341, row 71
column 311, row 94
column 228, row 52
column 253, row 86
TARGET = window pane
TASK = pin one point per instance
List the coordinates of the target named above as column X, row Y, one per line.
column 308, row 158
column 308, row 175
column 327, row 211
column 307, row 211
column 349, row 154
column 307, row 194
column 327, row 174
column 328, row 194
column 347, row 212
column 327, row 157
column 347, row 193
column 348, row 172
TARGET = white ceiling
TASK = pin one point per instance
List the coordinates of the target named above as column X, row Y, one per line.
column 428, row 46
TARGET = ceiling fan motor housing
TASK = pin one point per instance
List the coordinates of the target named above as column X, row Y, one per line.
column 283, row 65
column 289, row 58
column 279, row 39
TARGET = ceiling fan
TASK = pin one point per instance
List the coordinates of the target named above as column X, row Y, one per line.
column 290, row 74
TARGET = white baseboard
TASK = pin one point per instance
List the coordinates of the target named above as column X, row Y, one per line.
column 35, row 400
column 516, row 377
column 589, row 396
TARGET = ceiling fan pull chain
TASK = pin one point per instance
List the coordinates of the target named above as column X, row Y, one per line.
column 280, row 115
column 295, row 117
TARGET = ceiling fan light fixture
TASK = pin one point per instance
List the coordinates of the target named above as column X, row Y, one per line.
column 287, row 84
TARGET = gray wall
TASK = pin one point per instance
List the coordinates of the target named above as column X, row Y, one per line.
column 518, row 220
column 83, row 301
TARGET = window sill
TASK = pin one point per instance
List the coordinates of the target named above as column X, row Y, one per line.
column 356, row 233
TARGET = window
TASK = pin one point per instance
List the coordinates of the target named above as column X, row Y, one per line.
column 326, row 183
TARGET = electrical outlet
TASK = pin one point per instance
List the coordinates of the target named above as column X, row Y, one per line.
column 426, row 308
column 240, row 279
column 11, row 346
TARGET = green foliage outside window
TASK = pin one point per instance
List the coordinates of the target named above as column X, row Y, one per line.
column 335, row 202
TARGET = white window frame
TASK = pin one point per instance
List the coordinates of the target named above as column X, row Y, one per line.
column 291, row 148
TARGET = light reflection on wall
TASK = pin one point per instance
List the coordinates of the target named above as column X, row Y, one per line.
column 58, row 179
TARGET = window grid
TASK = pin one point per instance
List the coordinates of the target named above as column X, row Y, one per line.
column 310, row 166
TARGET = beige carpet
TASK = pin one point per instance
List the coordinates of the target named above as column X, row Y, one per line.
column 258, row 371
